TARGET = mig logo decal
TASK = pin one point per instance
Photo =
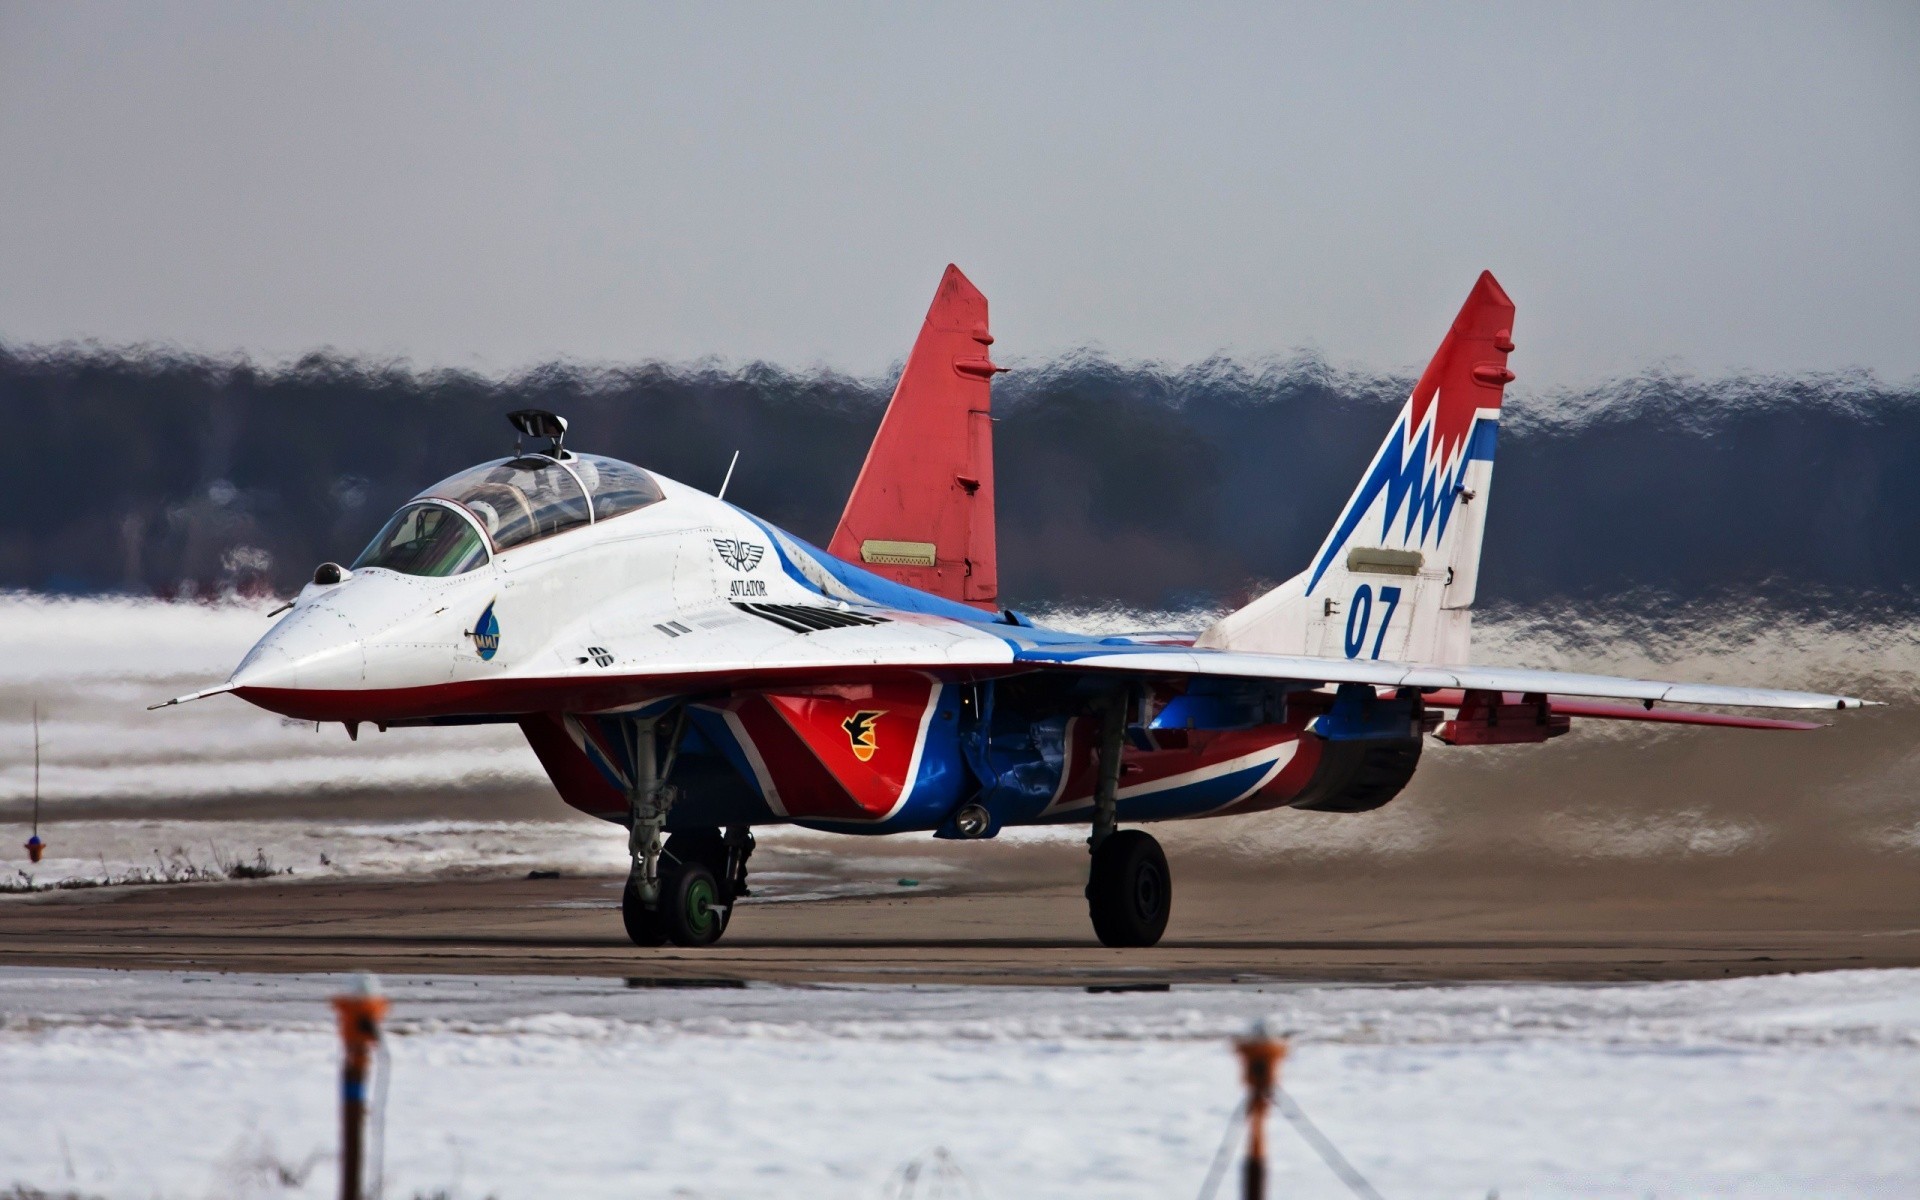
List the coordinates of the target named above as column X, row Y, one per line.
column 741, row 556
column 486, row 634
column 860, row 732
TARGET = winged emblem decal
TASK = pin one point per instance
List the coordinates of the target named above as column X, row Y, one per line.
column 741, row 556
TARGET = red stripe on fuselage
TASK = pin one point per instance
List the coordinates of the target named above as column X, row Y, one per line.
column 807, row 789
column 574, row 776
column 1284, row 788
column 865, row 738
column 1183, row 751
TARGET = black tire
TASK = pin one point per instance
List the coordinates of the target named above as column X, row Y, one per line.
column 644, row 926
column 704, row 846
column 1130, row 892
column 691, row 905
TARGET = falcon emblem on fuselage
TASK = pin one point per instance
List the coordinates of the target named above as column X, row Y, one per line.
column 741, row 556
column 860, row 731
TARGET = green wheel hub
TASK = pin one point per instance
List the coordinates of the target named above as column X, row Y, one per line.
column 700, row 897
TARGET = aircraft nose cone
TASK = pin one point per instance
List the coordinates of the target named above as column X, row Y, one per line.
column 324, row 643
column 313, row 647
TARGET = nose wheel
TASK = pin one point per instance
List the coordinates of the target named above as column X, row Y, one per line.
column 646, row 924
column 700, row 873
column 691, row 909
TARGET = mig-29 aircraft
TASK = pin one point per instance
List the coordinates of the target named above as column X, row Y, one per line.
column 689, row 671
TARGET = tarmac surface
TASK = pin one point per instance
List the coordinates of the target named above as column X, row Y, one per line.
column 1024, row 922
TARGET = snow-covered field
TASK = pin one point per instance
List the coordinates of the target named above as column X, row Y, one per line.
column 159, row 1085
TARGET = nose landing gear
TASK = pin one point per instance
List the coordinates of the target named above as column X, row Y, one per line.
column 701, row 873
column 680, row 889
column 690, row 909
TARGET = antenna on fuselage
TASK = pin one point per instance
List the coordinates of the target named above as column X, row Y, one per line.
column 722, row 493
column 536, row 422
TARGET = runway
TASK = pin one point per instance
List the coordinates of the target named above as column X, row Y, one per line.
column 1023, row 922
column 1609, row 854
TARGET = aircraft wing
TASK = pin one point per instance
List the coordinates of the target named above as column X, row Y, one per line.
column 917, row 641
column 1036, row 648
column 835, row 642
column 1180, row 660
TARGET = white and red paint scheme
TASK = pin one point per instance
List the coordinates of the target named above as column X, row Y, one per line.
column 879, row 687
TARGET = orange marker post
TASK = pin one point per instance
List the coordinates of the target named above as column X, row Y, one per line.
column 360, row 1015
column 1260, row 1056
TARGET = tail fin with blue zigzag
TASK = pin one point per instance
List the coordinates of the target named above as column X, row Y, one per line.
column 1395, row 577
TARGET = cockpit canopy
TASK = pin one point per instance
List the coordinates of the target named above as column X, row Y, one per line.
column 515, row 501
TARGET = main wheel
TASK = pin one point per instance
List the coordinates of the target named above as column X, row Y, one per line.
column 1130, row 892
column 691, row 906
column 644, row 926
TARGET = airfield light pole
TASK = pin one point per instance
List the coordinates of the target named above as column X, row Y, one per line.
column 360, row 1013
column 36, row 847
column 1260, row 1055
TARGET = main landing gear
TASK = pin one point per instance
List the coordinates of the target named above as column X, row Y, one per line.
column 680, row 889
column 1129, row 890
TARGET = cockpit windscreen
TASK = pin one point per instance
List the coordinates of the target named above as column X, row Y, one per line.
column 518, row 499
column 425, row 539
column 616, row 487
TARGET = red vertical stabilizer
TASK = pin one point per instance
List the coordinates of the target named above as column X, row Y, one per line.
column 921, row 512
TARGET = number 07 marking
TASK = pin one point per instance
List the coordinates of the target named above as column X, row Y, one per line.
column 1360, row 618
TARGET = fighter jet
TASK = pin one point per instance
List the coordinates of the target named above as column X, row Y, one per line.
column 689, row 671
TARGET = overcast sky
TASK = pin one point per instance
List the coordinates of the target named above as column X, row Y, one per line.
column 1716, row 187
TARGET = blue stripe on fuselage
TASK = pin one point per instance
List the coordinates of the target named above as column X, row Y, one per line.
column 865, row 584
column 885, row 593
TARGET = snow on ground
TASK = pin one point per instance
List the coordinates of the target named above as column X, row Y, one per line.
column 791, row 864
column 94, row 664
column 96, row 849
column 165, row 1085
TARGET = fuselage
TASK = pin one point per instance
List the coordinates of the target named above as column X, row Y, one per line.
column 774, row 649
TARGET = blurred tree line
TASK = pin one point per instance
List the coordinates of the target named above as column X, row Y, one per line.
column 169, row 474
